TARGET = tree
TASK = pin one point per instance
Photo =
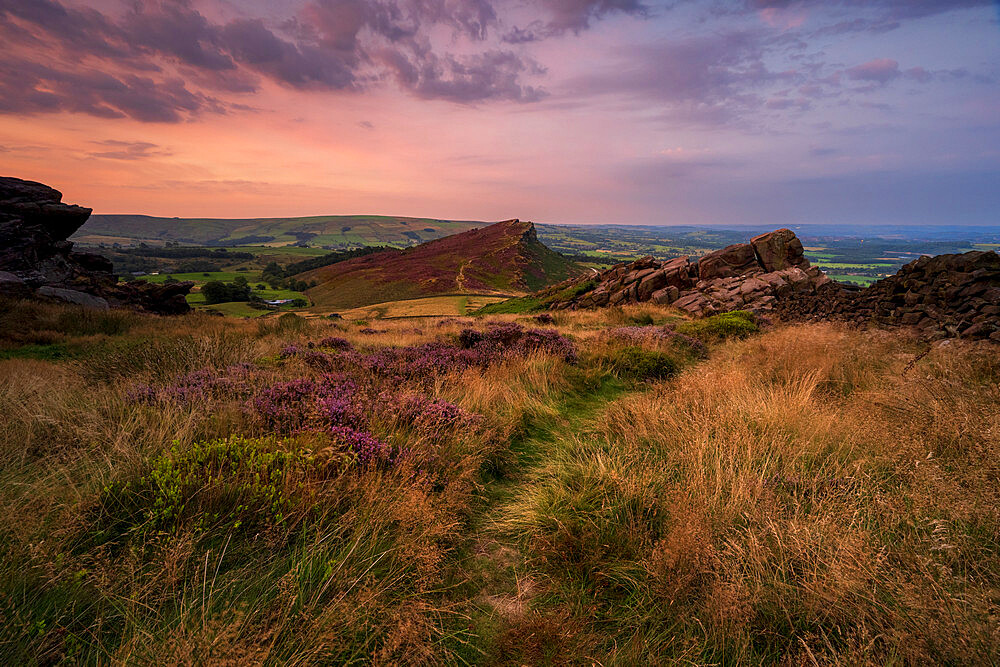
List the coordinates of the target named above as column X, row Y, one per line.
column 215, row 291
column 299, row 303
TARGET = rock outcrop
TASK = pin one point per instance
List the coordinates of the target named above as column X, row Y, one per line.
column 943, row 296
column 37, row 260
column 751, row 276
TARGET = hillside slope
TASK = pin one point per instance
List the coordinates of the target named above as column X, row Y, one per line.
column 327, row 230
column 504, row 257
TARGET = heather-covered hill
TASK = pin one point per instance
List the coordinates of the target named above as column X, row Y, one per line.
column 502, row 258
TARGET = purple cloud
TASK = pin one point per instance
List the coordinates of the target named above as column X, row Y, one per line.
column 153, row 62
column 574, row 16
column 127, row 150
column 880, row 70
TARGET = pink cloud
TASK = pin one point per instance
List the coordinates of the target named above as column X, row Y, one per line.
column 880, row 70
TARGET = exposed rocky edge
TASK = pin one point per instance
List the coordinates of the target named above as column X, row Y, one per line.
column 943, row 296
column 37, row 261
column 749, row 276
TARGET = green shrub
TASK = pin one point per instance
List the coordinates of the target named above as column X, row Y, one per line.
column 51, row 352
column 637, row 363
column 641, row 319
column 234, row 484
column 289, row 323
column 734, row 324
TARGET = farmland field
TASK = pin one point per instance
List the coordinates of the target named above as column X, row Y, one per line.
column 440, row 306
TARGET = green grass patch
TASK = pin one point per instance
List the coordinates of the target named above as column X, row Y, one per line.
column 865, row 281
column 236, row 309
column 201, row 277
column 533, row 304
column 734, row 324
column 515, row 306
column 53, row 352
column 235, row 484
column 639, row 364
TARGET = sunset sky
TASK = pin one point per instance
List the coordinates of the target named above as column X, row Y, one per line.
column 573, row 111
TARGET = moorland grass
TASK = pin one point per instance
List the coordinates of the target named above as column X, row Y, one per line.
column 806, row 495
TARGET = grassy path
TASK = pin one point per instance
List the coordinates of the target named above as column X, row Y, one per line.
column 501, row 582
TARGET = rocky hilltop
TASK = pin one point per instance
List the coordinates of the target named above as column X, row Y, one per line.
column 37, row 260
column 942, row 296
column 504, row 257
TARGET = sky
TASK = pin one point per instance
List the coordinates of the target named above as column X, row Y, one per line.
column 566, row 111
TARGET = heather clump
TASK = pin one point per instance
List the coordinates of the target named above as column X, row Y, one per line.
column 303, row 402
column 336, row 343
column 427, row 414
column 366, row 448
column 513, row 339
column 289, row 351
column 199, row 385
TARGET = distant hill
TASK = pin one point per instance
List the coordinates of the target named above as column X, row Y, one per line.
column 505, row 257
column 323, row 230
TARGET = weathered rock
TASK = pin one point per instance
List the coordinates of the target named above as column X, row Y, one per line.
column 942, row 296
column 779, row 250
column 34, row 228
column 73, row 296
column 159, row 298
column 668, row 294
column 724, row 279
column 734, row 260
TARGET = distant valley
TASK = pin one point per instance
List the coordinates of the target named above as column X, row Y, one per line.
column 205, row 250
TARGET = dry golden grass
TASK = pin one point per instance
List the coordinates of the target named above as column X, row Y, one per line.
column 811, row 495
column 801, row 497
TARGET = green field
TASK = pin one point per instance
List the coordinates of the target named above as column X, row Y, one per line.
column 453, row 305
column 334, row 231
column 848, row 265
column 197, row 300
column 857, row 280
column 203, row 277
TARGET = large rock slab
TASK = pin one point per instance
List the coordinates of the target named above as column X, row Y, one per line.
column 734, row 260
column 73, row 296
column 779, row 250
